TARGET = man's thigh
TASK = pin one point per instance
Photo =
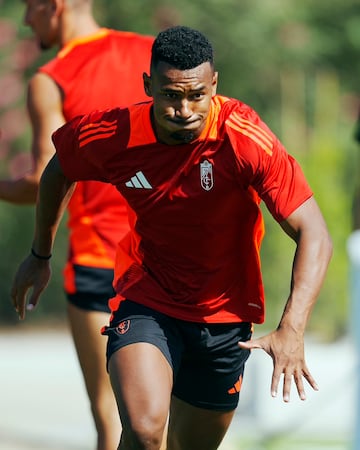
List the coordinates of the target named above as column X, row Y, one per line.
column 134, row 323
column 207, row 385
column 140, row 368
column 212, row 365
column 193, row 428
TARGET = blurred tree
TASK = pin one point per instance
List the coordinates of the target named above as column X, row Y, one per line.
column 295, row 62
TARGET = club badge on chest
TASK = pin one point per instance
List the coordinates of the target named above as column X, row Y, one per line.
column 206, row 175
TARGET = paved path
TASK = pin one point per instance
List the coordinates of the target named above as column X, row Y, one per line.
column 43, row 402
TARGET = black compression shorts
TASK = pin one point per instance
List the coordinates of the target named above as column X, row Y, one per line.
column 207, row 362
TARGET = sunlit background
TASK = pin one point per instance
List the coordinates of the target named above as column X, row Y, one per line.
column 297, row 64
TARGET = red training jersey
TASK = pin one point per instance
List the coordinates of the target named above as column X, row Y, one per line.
column 196, row 226
column 99, row 71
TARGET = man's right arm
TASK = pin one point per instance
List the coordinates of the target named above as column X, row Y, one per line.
column 34, row 272
column 44, row 103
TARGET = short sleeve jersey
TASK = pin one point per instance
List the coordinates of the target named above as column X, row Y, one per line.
column 196, row 225
column 98, row 71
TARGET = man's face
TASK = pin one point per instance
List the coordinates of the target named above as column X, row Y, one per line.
column 39, row 15
column 181, row 101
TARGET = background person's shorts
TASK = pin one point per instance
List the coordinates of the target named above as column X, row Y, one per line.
column 207, row 362
column 93, row 288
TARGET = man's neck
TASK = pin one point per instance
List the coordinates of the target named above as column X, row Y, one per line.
column 77, row 27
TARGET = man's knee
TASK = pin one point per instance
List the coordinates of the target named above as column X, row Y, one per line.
column 144, row 433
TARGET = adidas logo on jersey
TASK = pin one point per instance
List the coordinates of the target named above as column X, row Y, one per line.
column 138, row 181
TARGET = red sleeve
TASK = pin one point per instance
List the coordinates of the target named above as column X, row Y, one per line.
column 84, row 144
column 269, row 169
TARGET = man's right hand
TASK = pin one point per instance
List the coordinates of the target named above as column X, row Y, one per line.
column 32, row 274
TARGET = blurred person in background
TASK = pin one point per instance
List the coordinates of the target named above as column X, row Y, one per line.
column 193, row 167
column 353, row 247
column 95, row 68
column 356, row 198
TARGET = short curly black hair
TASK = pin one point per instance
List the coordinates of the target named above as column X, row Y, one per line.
column 182, row 48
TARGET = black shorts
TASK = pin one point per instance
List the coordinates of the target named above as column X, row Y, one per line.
column 93, row 288
column 207, row 362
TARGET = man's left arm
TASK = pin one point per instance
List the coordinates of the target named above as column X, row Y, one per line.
column 285, row 345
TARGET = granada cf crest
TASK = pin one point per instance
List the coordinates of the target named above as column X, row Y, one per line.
column 123, row 327
column 206, row 175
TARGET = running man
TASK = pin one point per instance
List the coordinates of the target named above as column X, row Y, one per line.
column 192, row 166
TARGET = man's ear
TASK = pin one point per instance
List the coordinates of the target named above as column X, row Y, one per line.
column 214, row 83
column 57, row 6
column 147, row 84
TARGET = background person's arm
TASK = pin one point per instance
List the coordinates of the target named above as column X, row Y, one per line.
column 44, row 105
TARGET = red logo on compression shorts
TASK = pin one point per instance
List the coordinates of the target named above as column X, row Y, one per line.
column 123, row 327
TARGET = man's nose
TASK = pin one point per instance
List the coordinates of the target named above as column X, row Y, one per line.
column 183, row 110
